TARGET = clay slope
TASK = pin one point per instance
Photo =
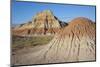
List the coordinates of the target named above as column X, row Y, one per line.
column 75, row 43
column 44, row 23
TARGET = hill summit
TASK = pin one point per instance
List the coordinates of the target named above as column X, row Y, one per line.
column 43, row 23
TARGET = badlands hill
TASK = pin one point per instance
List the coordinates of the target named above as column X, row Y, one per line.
column 76, row 42
column 43, row 23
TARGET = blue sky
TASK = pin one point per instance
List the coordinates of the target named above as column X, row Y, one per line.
column 24, row 11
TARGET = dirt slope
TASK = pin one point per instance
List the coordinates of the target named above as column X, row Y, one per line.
column 76, row 42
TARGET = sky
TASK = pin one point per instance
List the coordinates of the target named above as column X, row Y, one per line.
column 23, row 12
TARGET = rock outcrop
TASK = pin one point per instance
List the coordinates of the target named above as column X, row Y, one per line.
column 43, row 23
column 76, row 42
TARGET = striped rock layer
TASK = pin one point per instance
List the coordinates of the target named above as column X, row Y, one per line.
column 42, row 23
column 76, row 42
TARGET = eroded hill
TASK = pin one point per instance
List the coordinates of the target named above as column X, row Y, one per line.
column 76, row 42
column 43, row 23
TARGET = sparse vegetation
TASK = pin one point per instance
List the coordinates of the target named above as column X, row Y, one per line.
column 94, row 25
column 24, row 42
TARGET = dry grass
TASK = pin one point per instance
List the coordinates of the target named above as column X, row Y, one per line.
column 25, row 42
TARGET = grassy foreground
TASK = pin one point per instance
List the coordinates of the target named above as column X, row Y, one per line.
column 24, row 42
